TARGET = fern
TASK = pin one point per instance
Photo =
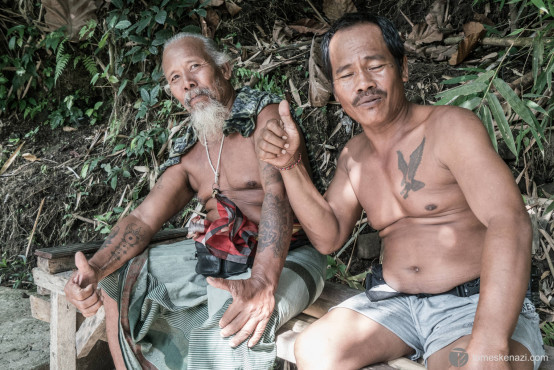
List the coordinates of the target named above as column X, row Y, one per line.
column 548, row 329
column 90, row 65
column 61, row 60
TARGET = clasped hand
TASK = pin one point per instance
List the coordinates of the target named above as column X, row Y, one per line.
column 248, row 315
column 279, row 141
column 81, row 289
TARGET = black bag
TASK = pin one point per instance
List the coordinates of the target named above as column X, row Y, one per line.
column 210, row 265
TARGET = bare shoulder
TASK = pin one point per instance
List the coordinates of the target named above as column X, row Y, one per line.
column 268, row 113
column 445, row 118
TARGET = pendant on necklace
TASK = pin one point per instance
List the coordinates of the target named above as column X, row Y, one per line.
column 215, row 190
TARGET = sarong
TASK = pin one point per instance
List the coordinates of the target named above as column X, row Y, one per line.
column 169, row 315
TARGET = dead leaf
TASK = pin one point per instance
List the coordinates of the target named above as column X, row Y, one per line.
column 29, row 157
column 307, row 25
column 320, row 88
column 212, row 18
column 69, row 129
column 216, row 2
column 294, row 92
column 232, row 8
column 433, row 28
column 11, row 159
column 281, row 33
column 334, row 9
column 73, row 14
column 474, row 32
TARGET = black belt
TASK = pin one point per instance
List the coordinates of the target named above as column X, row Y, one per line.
column 463, row 290
column 377, row 289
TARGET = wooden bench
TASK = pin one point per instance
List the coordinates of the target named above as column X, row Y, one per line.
column 72, row 336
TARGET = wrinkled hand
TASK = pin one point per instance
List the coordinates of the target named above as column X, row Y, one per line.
column 477, row 359
column 279, row 141
column 81, row 290
column 253, row 303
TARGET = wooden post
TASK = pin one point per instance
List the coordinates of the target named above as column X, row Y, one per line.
column 63, row 316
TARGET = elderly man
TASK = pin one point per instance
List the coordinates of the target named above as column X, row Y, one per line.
column 457, row 238
column 161, row 309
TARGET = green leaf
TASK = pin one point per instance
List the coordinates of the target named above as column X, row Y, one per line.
column 539, row 4
column 113, row 183
column 121, row 25
column 118, row 3
column 113, row 79
column 456, row 80
column 144, row 95
column 549, row 209
column 471, row 104
column 99, row 104
column 84, row 170
column 94, row 79
column 515, row 102
column 161, row 17
column 122, row 86
column 470, row 88
column 501, row 122
column 538, row 52
column 485, row 115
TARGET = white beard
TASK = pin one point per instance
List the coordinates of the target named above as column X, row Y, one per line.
column 208, row 118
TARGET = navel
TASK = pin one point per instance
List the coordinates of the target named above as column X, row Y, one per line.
column 415, row 269
column 430, row 207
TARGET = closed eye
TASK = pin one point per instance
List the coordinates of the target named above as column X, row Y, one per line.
column 346, row 75
column 377, row 68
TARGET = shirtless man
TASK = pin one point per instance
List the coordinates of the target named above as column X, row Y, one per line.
column 168, row 315
column 446, row 207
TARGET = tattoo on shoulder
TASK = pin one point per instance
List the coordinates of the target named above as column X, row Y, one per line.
column 274, row 229
column 409, row 170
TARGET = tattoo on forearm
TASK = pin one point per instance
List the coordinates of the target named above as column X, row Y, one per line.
column 132, row 236
column 270, row 175
column 110, row 238
column 275, row 225
column 409, row 170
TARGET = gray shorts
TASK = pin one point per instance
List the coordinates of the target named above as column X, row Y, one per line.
column 430, row 324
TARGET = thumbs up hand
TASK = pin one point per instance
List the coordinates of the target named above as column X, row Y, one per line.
column 279, row 141
column 81, row 289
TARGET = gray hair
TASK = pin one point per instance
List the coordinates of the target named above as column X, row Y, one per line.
column 219, row 57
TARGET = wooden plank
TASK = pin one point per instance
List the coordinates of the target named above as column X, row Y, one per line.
column 62, row 333
column 287, row 335
column 40, row 308
column 333, row 294
column 54, row 283
column 56, row 265
column 91, row 330
column 403, row 363
column 91, row 247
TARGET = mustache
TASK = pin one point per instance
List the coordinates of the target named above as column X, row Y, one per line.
column 371, row 92
column 197, row 92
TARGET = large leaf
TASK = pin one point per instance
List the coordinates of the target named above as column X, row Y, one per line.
column 501, row 122
column 320, row 87
column 73, row 14
column 515, row 102
column 473, row 31
column 486, row 117
column 334, row 9
column 467, row 89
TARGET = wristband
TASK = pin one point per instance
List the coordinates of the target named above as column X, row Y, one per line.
column 291, row 166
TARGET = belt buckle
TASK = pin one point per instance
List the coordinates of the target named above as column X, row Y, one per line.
column 461, row 290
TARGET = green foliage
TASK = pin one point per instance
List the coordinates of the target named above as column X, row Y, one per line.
column 15, row 271
column 336, row 268
column 273, row 83
column 520, row 121
column 548, row 333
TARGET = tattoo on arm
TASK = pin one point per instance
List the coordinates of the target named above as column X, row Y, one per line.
column 275, row 224
column 409, row 170
column 132, row 236
column 270, row 174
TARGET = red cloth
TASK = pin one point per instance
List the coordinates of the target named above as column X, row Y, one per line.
column 232, row 237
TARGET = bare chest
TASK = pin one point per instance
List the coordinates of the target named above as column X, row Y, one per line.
column 236, row 165
column 409, row 183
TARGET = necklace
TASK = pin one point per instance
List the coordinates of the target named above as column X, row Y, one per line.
column 215, row 186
